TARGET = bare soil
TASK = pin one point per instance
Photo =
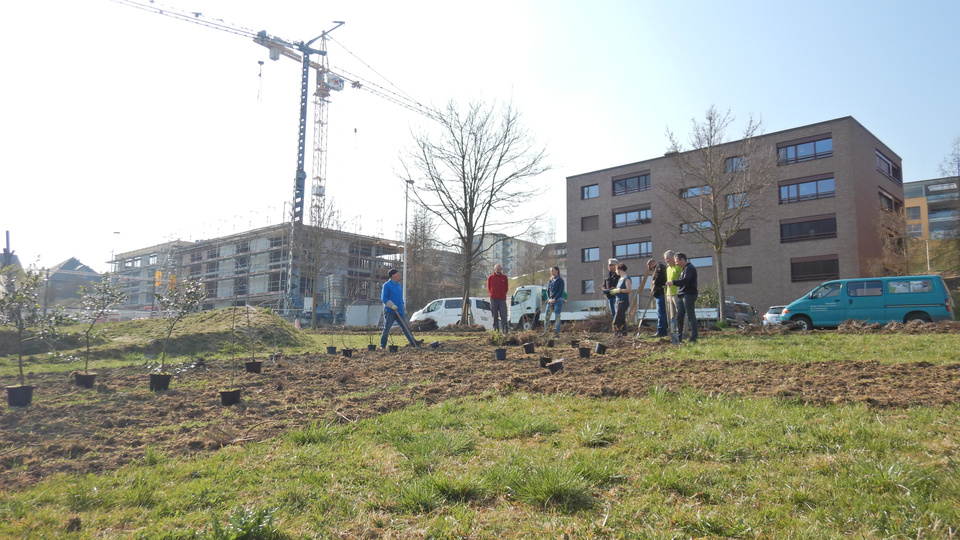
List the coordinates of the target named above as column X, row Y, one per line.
column 69, row 429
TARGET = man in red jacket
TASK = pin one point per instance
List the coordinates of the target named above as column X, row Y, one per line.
column 497, row 287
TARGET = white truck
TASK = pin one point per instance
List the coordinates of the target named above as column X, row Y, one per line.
column 528, row 306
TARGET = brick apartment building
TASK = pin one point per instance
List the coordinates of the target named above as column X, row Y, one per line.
column 822, row 217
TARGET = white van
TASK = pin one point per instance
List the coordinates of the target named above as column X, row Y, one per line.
column 447, row 311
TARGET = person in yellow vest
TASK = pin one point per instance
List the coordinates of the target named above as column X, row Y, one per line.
column 673, row 272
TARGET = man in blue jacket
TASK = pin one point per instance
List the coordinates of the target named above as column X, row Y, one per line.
column 392, row 298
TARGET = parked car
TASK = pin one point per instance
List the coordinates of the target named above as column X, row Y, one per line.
column 741, row 312
column 772, row 315
column 873, row 300
column 445, row 311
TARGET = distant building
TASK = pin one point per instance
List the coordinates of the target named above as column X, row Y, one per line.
column 933, row 208
column 822, row 218
column 515, row 255
column 64, row 280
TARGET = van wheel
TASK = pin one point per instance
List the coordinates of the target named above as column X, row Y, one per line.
column 916, row 316
column 803, row 322
column 526, row 323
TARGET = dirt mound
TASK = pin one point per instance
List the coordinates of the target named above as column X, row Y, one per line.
column 74, row 430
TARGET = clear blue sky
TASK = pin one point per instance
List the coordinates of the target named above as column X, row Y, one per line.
column 120, row 120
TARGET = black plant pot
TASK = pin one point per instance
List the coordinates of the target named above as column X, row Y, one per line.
column 528, row 348
column 253, row 366
column 371, row 347
column 331, row 350
column 85, row 380
column 550, row 343
column 500, row 354
column 19, row 396
column 434, row 344
column 544, row 360
column 393, row 348
column 574, row 343
column 600, row 348
column 160, row 381
column 584, row 352
column 229, row 397
column 555, row 366
column 347, row 352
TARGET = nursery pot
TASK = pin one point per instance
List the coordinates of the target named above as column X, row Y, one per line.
column 160, row 381
column 371, row 347
column 555, row 366
column 544, row 360
column 19, row 396
column 500, row 354
column 253, row 366
column 584, row 352
column 574, row 343
column 434, row 344
column 347, row 352
column 600, row 348
column 528, row 348
column 393, row 348
column 85, row 379
column 229, row 397
column 550, row 343
column 331, row 350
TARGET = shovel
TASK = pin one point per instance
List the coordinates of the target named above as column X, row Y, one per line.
column 406, row 329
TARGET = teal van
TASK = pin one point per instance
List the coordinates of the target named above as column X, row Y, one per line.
column 874, row 300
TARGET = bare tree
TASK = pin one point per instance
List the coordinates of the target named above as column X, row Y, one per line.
column 474, row 176
column 320, row 249
column 950, row 166
column 716, row 181
column 424, row 267
column 891, row 227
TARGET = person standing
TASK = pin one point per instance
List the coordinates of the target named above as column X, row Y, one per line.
column 392, row 298
column 497, row 286
column 686, row 297
column 622, row 294
column 611, row 283
column 657, row 286
column 555, row 289
column 670, row 292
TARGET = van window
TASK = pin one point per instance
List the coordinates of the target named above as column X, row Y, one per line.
column 433, row 306
column 522, row 296
column 483, row 304
column 455, row 303
column 865, row 288
column 826, row 291
column 909, row 286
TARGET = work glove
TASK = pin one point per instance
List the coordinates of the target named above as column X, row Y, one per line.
column 614, row 291
column 392, row 306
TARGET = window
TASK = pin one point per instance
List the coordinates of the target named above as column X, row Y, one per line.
column 909, row 286
column 590, row 192
column 276, row 258
column 152, row 259
column 211, row 287
column 695, row 226
column 805, row 191
column 631, row 184
column 888, row 203
column 865, row 288
column 888, row 167
column 213, row 253
column 277, row 283
column 913, row 212
column 633, row 250
column 195, row 269
column 586, row 286
column 812, row 229
column 739, row 238
column 694, row 191
column 196, row 256
column 701, row 261
column 805, row 151
column 240, row 265
column 815, row 268
column 740, row 275
column 243, row 247
column 590, row 223
column 915, row 230
column 738, row 200
column 631, row 217
column 276, row 241
column 591, row 254
column 734, row 164
column 240, row 286
column 213, row 266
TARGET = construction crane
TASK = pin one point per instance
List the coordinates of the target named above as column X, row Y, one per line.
column 326, row 81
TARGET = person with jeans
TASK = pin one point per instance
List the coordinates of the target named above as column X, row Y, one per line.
column 497, row 286
column 622, row 294
column 686, row 297
column 611, row 283
column 555, row 289
column 673, row 272
column 392, row 297
column 657, row 286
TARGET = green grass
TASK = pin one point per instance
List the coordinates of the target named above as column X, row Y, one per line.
column 519, row 466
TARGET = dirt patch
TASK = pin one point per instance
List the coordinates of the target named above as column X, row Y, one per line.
column 66, row 431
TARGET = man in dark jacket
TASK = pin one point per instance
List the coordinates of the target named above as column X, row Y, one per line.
column 610, row 283
column 657, row 286
column 686, row 297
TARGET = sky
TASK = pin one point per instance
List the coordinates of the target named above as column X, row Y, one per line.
column 121, row 129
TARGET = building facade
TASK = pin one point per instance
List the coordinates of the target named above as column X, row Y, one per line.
column 933, row 208
column 832, row 185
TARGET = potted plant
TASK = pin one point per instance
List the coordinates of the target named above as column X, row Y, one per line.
column 498, row 340
column 94, row 304
column 20, row 309
column 177, row 303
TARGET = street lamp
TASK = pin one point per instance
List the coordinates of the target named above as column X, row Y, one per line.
column 406, row 203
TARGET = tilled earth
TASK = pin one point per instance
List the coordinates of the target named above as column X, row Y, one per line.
column 74, row 430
